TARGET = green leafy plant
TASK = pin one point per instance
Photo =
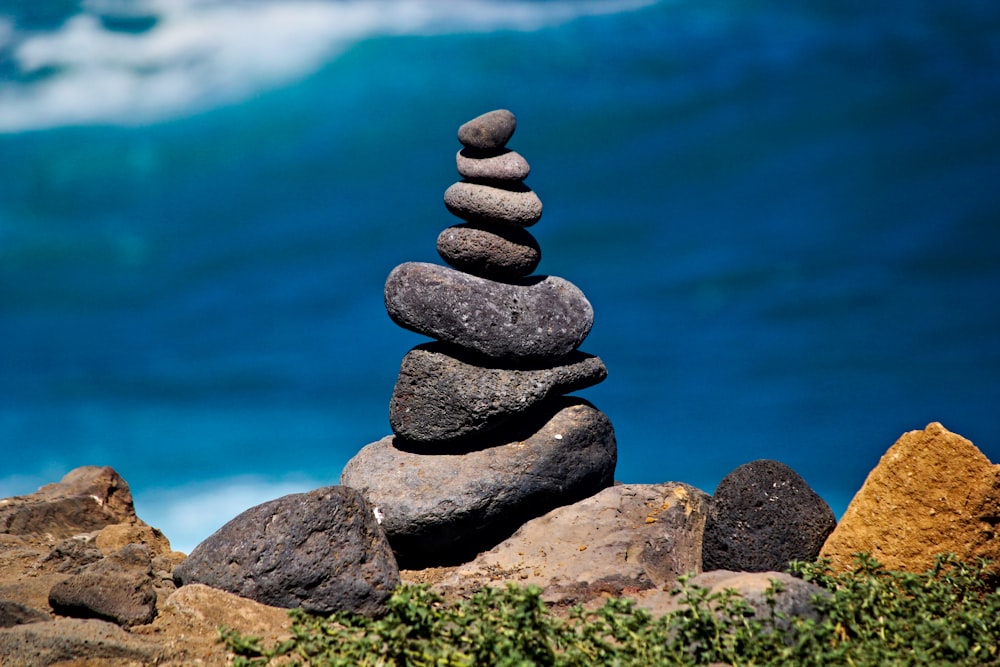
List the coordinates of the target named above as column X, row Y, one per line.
column 949, row 615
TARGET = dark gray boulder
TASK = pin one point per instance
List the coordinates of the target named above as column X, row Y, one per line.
column 497, row 252
column 513, row 204
column 543, row 318
column 500, row 165
column 118, row 588
column 762, row 516
column 322, row 551
column 443, row 393
column 489, row 131
column 442, row 509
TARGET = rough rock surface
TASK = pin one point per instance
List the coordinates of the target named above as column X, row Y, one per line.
column 86, row 499
column 445, row 508
column 443, row 394
column 322, row 551
column 794, row 600
column 117, row 588
column 514, row 204
column 763, row 515
column 489, row 131
column 499, row 165
column 627, row 537
column 78, row 642
column 490, row 251
column 933, row 491
column 14, row 613
column 541, row 318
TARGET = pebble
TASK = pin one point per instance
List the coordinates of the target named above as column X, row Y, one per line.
column 491, row 130
column 515, row 204
column 498, row 252
column 503, row 165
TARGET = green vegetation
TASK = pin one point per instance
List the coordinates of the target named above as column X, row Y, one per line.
column 949, row 615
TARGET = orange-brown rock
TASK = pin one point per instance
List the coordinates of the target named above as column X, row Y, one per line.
column 932, row 492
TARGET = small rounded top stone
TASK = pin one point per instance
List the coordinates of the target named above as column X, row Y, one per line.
column 490, row 131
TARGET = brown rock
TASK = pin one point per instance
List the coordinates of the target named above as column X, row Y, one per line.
column 932, row 492
column 114, row 537
column 626, row 537
column 117, row 588
column 73, row 641
column 86, row 499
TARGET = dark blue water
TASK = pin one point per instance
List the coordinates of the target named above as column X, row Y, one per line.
column 786, row 217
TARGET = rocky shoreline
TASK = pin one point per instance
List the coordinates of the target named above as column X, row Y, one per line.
column 493, row 475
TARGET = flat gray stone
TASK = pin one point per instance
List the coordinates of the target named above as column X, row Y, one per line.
column 497, row 252
column 538, row 318
column 443, row 394
column 322, row 551
column 764, row 515
column 492, row 129
column 440, row 509
column 500, row 165
column 117, row 588
column 514, row 204
column 627, row 537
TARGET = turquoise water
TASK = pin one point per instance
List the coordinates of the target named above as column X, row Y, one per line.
column 786, row 218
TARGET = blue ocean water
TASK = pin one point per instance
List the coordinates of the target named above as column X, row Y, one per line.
column 786, row 216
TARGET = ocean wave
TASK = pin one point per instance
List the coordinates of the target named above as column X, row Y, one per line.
column 151, row 61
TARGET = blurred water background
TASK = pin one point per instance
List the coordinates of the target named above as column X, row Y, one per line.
column 786, row 216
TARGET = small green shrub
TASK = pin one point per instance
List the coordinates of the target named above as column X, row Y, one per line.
column 946, row 616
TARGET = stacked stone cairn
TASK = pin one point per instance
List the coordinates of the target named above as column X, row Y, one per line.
column 485, row 437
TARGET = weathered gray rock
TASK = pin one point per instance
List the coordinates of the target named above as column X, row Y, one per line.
column 491, row 130
column 443, row 393
column 322, row 551
column 499, row 165
column 444, row 508
column 86, row 499
column 762, row 516
column 117, row 588
column 514, row 204
column 795, row 599
column 14, row 613
column 540, row 318
column 627, row 537
column 497, row 252
column 73, row 641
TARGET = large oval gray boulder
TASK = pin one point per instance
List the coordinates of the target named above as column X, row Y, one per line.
column 628, row 537
column 540, row 318
column 443, row 394
column 442, row 509
column 322, row 551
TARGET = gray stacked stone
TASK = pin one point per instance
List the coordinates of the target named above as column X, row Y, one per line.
column 484, row 436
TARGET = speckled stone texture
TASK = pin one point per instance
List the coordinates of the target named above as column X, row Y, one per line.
column 445, row 508
column 489, row 131
column 497, row 252
column 762, row 516
column 322, row 551
column 443, row 394
column 514, row 204
column 499, row 165
column 540, row 318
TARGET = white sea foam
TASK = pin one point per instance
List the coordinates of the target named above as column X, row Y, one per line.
column 187, row 515
column 201, row 53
